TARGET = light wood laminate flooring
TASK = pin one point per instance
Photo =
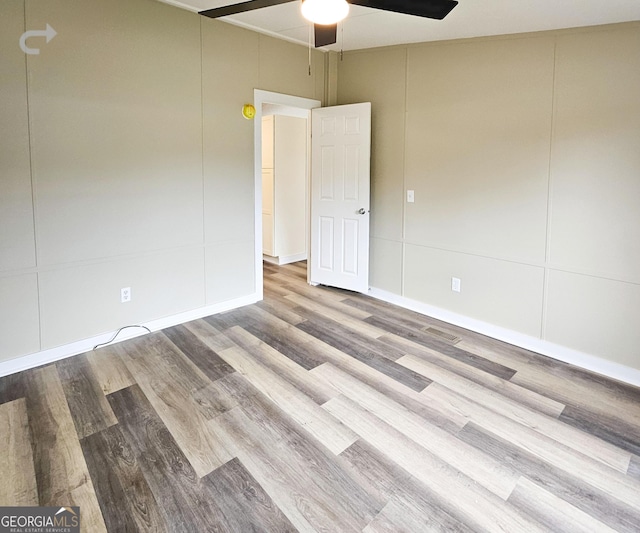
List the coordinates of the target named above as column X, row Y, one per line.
column 320, row 410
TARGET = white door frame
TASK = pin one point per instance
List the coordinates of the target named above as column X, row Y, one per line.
column 266, row 97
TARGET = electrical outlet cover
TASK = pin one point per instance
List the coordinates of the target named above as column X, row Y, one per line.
column 125, row 294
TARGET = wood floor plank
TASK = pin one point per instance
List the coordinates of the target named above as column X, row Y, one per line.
column 552, row 512
column 18, row 486
column 399, row 517
column 482, row 510
column 281, row 308
column 327, row 299
column 13, row 387
column 403, row 316
column 387, row 310
column 283, row 337
column 304, row 479
column 109, row 369
column 237, row 388
column 301, row 408
column 498, row 385
column 161, row 356
column 243, row 502
column 506, row 354
column 284, row 278
column 332, row 313
column 544, row 447
column 568, row 486
column 326, row 332
column 89, row 408
column 182, row 497
column 275, row 293
column 208, row 334
column 304, row 354
column 400, row 393
column 613, row 430
column 297, row 270
column 357, row 340
column 442, row 417
column 484, row 398
column 634, row 467
column 61, row 471
column 398, row 486
column 125, row 498
column 318, row 391
column 200, row 354
column 226, row 320
column 244, row 317
column 571, row 387
column 211, row 398
column 85, row 497
column 265, row 322
column 216, row 398
column 443, row 348
column 201, row 447
column 169, row 380
column 484, row 470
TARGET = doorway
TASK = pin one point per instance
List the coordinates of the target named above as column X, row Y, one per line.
column 274, row 104
column 284, row 184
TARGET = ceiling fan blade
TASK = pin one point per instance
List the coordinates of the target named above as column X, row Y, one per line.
column 234, row 9
column 433, row 9
column 325, row 35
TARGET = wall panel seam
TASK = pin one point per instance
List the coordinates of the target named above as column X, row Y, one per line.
column 404, row 165
column 540, row 264
column 110, row 259
column 33, row 189
column 386, row 239
column 591, row 275
column 202, row 118
column 547, row 250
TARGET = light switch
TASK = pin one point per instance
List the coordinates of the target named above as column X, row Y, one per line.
column 411, row 196
column 455, row 284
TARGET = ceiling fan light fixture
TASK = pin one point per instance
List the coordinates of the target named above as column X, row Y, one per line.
column 325, row 12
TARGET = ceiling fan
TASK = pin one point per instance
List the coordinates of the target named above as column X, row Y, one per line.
column 326, row 21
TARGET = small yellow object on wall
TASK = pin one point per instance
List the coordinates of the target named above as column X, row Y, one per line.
column 248, row 111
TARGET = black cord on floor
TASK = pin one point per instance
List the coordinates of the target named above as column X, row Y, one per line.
column 118, row 333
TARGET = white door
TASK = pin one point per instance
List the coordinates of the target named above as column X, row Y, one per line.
column 340, row 167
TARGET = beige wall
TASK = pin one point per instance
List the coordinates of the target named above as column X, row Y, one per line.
column 380, row 78
column 124, row 161
column 16, row 208
column 130, row 166
column 524, row 154
column 290, row 186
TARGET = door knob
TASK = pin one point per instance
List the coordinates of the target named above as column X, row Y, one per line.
column 361, row 211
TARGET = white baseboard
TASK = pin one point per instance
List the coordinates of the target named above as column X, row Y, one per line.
column 555, row 351
column 284, row 259
column 561, row 353
column 86, row 345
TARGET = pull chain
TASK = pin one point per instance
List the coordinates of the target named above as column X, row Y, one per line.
column 309, row 49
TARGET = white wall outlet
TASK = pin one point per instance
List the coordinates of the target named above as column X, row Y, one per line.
column 411, row 196
column 455, row 284
column 125, row 294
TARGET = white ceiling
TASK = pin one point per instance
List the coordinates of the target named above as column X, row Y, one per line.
column 369, row 28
